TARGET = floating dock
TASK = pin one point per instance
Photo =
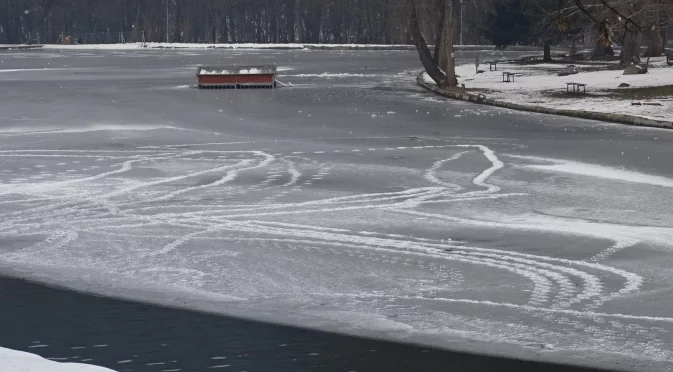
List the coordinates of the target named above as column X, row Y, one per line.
column 236, row 77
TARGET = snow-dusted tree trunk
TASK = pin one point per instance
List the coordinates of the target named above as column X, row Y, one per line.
column 440, row 66
column 427, row 59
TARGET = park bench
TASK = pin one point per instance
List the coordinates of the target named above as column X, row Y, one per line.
column 493, row 65
column 508, row 77
column 576, row 88
column 669, row 57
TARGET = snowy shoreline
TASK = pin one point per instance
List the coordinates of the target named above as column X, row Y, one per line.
column 538, row 86
column 19, row 361
column 255, row 46
column 132, row 46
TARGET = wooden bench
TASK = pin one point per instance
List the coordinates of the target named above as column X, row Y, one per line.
column 576, row 88
column 493, row 65
column 508, row 77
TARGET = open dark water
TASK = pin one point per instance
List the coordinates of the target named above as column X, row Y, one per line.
column 128, row 336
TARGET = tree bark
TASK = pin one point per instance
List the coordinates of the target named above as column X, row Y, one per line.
column 655, row 43
column 547, row 51
column 631, row 47
column 602, row 50
column 439, row 36
column 448, row 61
column 424, row 53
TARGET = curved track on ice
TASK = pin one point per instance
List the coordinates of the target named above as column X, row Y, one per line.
column 353, row 202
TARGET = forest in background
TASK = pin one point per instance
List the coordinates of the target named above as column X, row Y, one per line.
column 215, row 21
column 492, row 22
column 634, row 27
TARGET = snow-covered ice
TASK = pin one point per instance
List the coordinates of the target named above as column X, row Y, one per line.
column 316, row 208
column 18, row 361
column 592, row 170
column 130, row 46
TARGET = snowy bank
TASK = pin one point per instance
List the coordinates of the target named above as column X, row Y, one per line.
column 18, row 361
column 18, row 46
column 129, row 46
column 540, row 86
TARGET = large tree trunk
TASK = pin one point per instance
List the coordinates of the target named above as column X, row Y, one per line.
column 547, row 51
column 602, row 50
column 655, row 43
column 440, row 47
column 424, row 53
column 448, row 61
column 631, row 47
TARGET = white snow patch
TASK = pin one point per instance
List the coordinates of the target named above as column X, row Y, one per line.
column 18, row 361
column 130, row 46
column 593, row 170
column 14, row 131
column 331, row 75
column 32, row 69
column 539, row 85
column 250, row 71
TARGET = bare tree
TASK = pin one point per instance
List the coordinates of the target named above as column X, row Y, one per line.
column 634, row 21
column 440, row 66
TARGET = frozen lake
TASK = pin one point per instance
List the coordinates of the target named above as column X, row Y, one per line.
column 354, row 202
column 134, row 337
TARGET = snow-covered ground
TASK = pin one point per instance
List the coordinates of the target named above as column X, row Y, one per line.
column 539, row 85
column 19, row 361
column 17, row 46
column 290, row 46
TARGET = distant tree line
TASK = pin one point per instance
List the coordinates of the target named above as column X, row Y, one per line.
column 214, row 21
column 434, row 26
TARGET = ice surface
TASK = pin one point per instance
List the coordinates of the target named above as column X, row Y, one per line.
column 17, row 361
column 22, row 130
column 492, row 231
column 171, row 218
column 592, row 170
